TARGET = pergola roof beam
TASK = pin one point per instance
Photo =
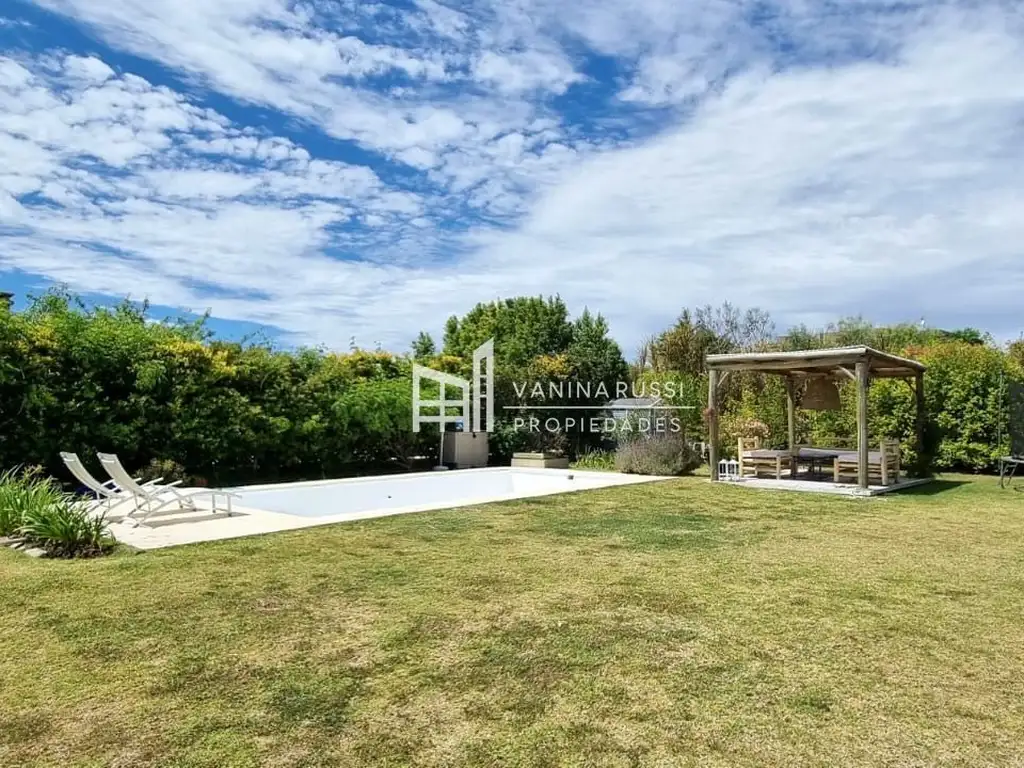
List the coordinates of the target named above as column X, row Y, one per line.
column 880, row 364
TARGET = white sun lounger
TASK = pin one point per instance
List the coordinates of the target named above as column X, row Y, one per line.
column 108, row 495
column 159, row 498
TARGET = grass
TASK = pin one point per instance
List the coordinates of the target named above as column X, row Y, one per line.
column 670, row 624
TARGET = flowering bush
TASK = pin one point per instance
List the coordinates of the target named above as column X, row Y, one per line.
column 746, row 427
column 662, row 454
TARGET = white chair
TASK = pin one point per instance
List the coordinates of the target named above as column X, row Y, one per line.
column 158, row 498
column 108, row 495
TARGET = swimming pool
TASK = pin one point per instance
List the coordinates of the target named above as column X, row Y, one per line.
column 260, row 509
column 420, row 491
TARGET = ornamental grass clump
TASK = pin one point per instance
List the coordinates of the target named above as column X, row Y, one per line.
column 67, row 529
column 35, row 510
column 23, row 490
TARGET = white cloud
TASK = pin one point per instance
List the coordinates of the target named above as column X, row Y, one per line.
column 87, row 69
column 144, row 193
column 840, row 183
column 273, row 53
column 823, row 190
column 520, row 71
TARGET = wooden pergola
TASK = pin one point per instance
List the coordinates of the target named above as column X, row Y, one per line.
column 860, row 364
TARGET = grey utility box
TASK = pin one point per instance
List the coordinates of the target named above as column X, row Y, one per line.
column 463, row 450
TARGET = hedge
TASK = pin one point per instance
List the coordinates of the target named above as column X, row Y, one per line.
column 80, row 380
column 110, row 379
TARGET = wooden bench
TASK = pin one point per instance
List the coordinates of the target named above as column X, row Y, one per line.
column 883, row 465
column 754, row 459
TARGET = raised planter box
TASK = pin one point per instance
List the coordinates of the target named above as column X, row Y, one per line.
column 539, row 461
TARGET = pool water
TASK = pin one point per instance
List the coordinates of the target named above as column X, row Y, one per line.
column 420, row 490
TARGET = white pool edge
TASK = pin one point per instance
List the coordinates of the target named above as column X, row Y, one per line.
column 621, row 479
column 254, row 522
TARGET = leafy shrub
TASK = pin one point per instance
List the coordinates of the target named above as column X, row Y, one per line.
column 546, row 441
column 965, row 389
column 662, row 454
column 66, row 528
column 759, row 410
column 21, row 492
column 752, row 428
column 380, row 413
column 34, row 508
column 168, row 469
column 86, row 379
column 596, row 459
column 504, row 440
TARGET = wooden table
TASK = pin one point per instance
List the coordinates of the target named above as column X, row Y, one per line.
column 815, row 458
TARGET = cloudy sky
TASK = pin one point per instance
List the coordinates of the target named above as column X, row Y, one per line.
column 337, row 168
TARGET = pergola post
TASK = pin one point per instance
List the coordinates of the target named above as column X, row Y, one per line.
column 862, row 423
column 791, row 412
column 713, row 423
column 919, row 422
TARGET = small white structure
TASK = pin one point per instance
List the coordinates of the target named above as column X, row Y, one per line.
column 729, row 469
column 625, row 408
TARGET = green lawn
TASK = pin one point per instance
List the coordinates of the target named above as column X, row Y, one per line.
column 669, row 624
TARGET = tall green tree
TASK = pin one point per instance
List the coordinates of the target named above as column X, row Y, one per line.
column 423, row 347
column 684, row 346
column 592, row 354
column 523, row 329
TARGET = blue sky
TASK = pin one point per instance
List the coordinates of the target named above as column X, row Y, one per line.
column 339, row 169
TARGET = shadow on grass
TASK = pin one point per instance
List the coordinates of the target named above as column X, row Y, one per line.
column 934, row 488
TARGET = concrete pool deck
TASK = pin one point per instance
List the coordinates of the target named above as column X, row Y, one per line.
column 177, row 528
